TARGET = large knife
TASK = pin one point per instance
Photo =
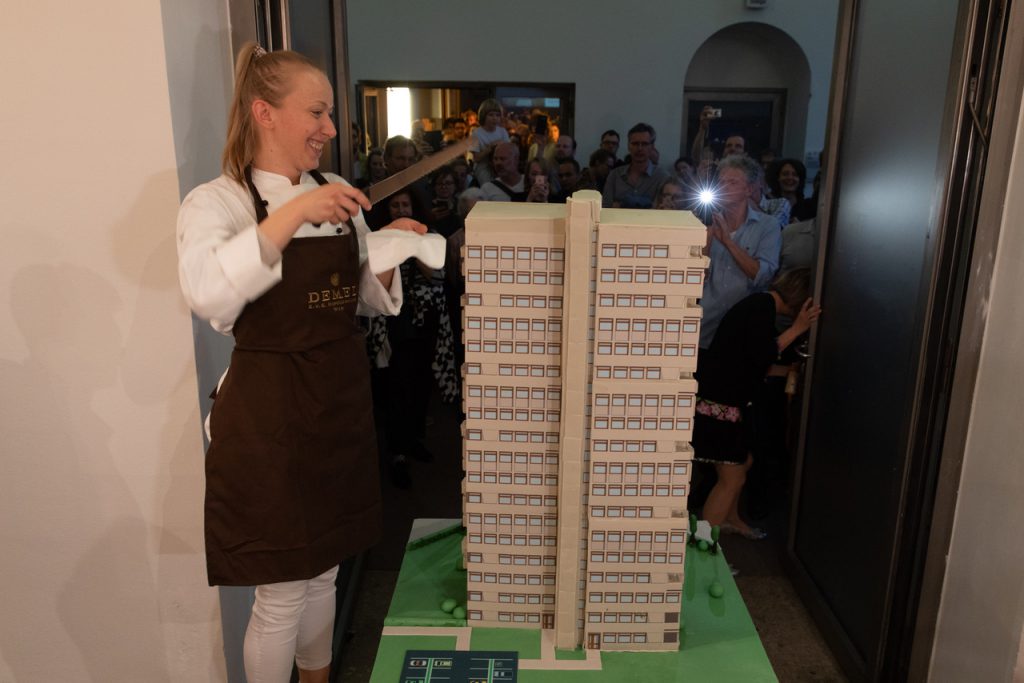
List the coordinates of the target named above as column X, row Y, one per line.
column 393, row 184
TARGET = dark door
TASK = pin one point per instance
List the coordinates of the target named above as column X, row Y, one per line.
column 889, row 284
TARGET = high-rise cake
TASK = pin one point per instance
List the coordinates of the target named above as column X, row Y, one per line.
column 581, row 329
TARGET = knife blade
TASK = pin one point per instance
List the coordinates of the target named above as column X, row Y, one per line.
column 393, row 184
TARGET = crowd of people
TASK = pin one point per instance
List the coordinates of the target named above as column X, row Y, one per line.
column 761, row 245
column 518, row 151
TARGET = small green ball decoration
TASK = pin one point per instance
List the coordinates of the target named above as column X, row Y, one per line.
column 448, row 605
column 716, row 590
column 702, row 545
column 459, row 612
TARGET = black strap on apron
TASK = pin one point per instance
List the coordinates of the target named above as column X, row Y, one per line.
column 260, row 204
column 319, row 178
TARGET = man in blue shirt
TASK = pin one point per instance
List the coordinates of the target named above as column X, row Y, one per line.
column 743, row 244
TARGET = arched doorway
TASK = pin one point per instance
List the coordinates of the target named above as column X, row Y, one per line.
column 760, row 78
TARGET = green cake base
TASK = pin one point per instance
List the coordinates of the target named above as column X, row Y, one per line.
column 718, row 641
column 428, row 577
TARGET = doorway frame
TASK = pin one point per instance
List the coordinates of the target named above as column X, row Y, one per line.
column 360, row 87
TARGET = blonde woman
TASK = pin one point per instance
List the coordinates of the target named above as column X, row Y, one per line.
column 274, row 253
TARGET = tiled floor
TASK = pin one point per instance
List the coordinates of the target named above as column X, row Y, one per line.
column 794, row 646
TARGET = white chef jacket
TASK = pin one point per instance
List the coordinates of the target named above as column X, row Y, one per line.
column 219, row 262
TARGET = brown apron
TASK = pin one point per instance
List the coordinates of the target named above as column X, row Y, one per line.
column 291, row 473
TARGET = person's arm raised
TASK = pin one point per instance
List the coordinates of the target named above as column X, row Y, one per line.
column 700, row 138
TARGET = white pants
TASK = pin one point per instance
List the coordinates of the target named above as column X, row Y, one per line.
column 291, row 621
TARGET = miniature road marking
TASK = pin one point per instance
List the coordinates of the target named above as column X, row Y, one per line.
column 461, row 633
column 561, row 664
column 547, row 659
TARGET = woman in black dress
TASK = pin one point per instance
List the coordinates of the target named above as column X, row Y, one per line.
column 728, row 374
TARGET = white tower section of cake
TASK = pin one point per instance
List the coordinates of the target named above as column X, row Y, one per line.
column 649, row 274
column 577, row 358
column 581, row 330
column 512, row 319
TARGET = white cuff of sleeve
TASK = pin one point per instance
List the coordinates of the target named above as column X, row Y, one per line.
column 374, row 299
column 395, row 294
column 269, row 253
column 242, row 263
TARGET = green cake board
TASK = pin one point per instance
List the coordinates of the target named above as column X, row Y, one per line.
column 428, row 577
column 718, row 641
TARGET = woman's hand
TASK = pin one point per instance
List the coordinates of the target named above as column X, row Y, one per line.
column 331, row 203
column 407, row 224
column 809, row 312
column 538, row 190
column 440, row 211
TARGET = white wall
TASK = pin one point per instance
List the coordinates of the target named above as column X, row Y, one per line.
column 628, row 60
column 981, row 617
column 101, row 472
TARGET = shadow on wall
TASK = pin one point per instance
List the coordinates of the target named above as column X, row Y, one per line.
column 104, row 477
column 82, row 560
column 108, row 608
column 156, row 374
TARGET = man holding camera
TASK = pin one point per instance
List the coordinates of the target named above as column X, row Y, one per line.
column 743, row 243
column 734, row 143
